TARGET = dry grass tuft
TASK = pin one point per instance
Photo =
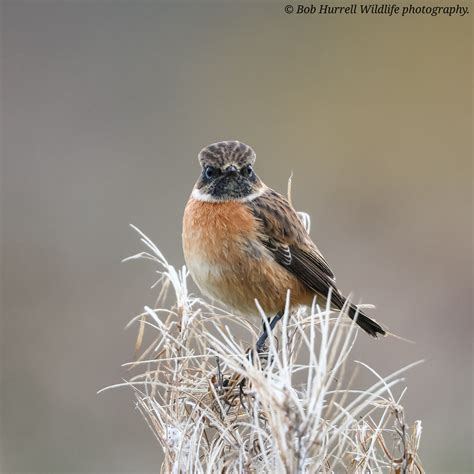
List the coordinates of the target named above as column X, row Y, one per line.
column 214, row 406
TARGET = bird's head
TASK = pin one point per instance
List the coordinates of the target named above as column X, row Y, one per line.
column 227, row 173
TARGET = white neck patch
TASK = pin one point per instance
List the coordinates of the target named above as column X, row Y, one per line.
column 199, row 196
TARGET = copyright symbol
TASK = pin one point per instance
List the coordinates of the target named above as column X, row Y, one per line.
column 289, row 9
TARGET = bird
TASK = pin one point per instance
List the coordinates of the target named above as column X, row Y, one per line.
column 243, row 241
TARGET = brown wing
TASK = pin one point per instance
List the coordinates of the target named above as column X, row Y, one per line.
column 283, row 234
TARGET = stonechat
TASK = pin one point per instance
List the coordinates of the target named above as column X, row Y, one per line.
column 244, row 241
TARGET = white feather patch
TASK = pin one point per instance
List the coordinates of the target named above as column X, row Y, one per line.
column 199, row 196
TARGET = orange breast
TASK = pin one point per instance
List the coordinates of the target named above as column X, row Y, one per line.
column 228, row 262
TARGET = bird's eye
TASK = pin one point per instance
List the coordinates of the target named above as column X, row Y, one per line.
column 247, row 171
column 210, row 172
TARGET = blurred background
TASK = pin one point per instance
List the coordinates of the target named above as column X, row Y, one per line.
column 105, row 107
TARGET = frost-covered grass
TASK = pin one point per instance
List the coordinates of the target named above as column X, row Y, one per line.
column 215, row 406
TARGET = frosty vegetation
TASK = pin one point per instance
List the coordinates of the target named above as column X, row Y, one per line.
column 215, row 406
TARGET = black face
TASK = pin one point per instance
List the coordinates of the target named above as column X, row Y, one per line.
column 228, row 183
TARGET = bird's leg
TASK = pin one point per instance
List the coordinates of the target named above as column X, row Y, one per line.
column 263, row 337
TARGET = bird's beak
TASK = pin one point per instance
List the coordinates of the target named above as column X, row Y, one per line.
column 231, row 170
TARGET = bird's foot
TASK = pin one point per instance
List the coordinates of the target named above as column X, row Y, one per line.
column 259, row 357
column 260, row 346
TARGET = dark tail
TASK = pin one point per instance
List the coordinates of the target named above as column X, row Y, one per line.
column 367, row 324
